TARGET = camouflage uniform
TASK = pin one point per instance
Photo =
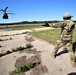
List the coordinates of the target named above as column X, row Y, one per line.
column 67, row 27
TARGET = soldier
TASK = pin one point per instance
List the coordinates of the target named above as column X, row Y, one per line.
column 67, row 27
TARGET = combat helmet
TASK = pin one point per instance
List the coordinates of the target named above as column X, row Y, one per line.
column 67, row 15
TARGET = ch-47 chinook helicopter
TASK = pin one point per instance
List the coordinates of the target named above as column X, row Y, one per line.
column 5, row 14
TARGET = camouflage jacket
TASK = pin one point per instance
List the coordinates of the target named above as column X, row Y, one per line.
column 67, row 27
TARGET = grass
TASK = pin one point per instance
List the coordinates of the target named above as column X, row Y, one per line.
column 5, row 39
column 23, row 26
column 74, row 35
column 29, row 27
column 20, row 48
column 1, row 39
column 51, row 35
column 24, row 68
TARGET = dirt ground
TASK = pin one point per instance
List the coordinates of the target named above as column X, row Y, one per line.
column 40, row 52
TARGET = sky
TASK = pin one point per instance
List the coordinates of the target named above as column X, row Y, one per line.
column 37, row 10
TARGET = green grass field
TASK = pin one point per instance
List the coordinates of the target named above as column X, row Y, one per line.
column 28, row 27
column 22, row 26
column 51, row 35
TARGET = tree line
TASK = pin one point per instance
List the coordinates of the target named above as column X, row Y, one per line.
column 28, row 22
column 32, row 22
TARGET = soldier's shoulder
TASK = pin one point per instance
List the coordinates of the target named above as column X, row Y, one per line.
column 72, row 22
column 69, row 22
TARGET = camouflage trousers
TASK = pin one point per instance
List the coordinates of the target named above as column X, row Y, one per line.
column 68, row 45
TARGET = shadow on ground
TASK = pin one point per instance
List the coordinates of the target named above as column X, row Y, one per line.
column 62, row 52
column 74, row 73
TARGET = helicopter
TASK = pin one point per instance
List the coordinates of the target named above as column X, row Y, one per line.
column 5, row 14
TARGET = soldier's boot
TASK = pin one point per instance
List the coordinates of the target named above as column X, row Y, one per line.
column 53, row 56
column 73, row 63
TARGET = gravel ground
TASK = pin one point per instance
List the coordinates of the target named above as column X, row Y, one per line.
column 59, row 66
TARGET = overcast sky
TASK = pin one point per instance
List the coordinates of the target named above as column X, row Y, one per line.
column 37, row 10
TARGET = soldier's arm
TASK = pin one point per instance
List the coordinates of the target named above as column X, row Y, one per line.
column 59, row 25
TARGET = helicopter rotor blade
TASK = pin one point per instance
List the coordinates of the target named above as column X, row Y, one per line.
column 11, row 13
column 6, row 8
column 1, row 10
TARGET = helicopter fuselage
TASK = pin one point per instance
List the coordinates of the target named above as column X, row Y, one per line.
column 5, row 15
